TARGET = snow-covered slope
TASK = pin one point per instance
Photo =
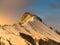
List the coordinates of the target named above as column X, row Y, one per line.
column 29, row 30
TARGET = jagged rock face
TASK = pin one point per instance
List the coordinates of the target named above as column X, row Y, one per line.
column 29, row 30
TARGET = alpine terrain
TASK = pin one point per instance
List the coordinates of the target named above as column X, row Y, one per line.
column 29, row 30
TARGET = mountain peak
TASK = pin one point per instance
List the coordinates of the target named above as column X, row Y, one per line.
column 30, row 30
column 26, row 17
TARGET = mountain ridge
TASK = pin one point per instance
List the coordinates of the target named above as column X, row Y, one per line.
column 29, row 30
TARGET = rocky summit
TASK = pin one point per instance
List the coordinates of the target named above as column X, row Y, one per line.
column 29, row 30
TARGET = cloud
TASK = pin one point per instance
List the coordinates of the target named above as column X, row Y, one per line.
column 15, row 4
column 54, row 6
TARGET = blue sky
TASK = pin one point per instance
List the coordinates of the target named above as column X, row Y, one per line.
column 42, row 8
column 49, row 14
